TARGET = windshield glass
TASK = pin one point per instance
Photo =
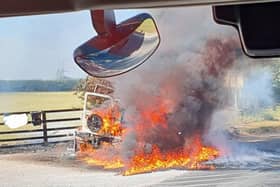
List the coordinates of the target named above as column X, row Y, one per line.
column 197, row 104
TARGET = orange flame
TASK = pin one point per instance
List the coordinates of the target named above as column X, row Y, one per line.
column 111, row 121
column 142, row 162
column 190, row 156
column 183, row 159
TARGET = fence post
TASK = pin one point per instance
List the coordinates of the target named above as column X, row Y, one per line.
column 45, row 130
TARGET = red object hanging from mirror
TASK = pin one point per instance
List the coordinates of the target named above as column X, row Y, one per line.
column 118, row 48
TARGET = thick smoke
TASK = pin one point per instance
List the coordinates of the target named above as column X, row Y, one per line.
column 192, row 84
column 182, row 98
column 251, row 88
column 182, row 88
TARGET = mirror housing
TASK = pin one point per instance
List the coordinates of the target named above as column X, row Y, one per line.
column 117, row 48
column 257, row 25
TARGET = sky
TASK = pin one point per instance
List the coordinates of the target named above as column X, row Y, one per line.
column 36, row 47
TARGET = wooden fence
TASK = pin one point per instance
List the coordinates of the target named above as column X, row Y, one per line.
column 42, row 130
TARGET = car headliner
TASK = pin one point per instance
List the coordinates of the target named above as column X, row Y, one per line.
column 33, row 7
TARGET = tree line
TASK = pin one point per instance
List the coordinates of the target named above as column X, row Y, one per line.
column 38, row 85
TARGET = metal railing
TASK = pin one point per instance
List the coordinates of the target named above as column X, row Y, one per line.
column 19, row 140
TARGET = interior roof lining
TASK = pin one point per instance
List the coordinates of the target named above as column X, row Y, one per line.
column 34, row 7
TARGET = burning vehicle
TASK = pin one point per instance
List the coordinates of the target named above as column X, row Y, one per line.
column 101, row 121
column 167, row 120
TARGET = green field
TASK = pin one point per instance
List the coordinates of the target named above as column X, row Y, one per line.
column 32, row 101
column 37, row 101
column 265, row 122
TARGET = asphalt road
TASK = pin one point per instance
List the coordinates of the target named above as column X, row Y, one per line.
column 224, row 178
column 18, row 173
column 54, row 168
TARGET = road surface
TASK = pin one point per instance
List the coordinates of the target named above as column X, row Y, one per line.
column 54, row 168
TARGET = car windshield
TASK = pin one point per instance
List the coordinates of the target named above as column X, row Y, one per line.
column 198, row 103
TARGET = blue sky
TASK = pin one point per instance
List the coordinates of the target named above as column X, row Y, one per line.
column 35, row 47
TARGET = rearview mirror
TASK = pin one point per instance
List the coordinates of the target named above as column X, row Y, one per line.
column 117, row 48
column 257, row 25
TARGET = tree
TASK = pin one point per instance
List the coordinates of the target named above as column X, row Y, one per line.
column 276, row 80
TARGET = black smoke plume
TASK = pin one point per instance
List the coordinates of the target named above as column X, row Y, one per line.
column 188, row 92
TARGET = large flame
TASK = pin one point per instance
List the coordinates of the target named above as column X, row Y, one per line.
column 147, row 157
column 191, row 157
column 186, row 158
column 167, row 119
column 111, row 121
